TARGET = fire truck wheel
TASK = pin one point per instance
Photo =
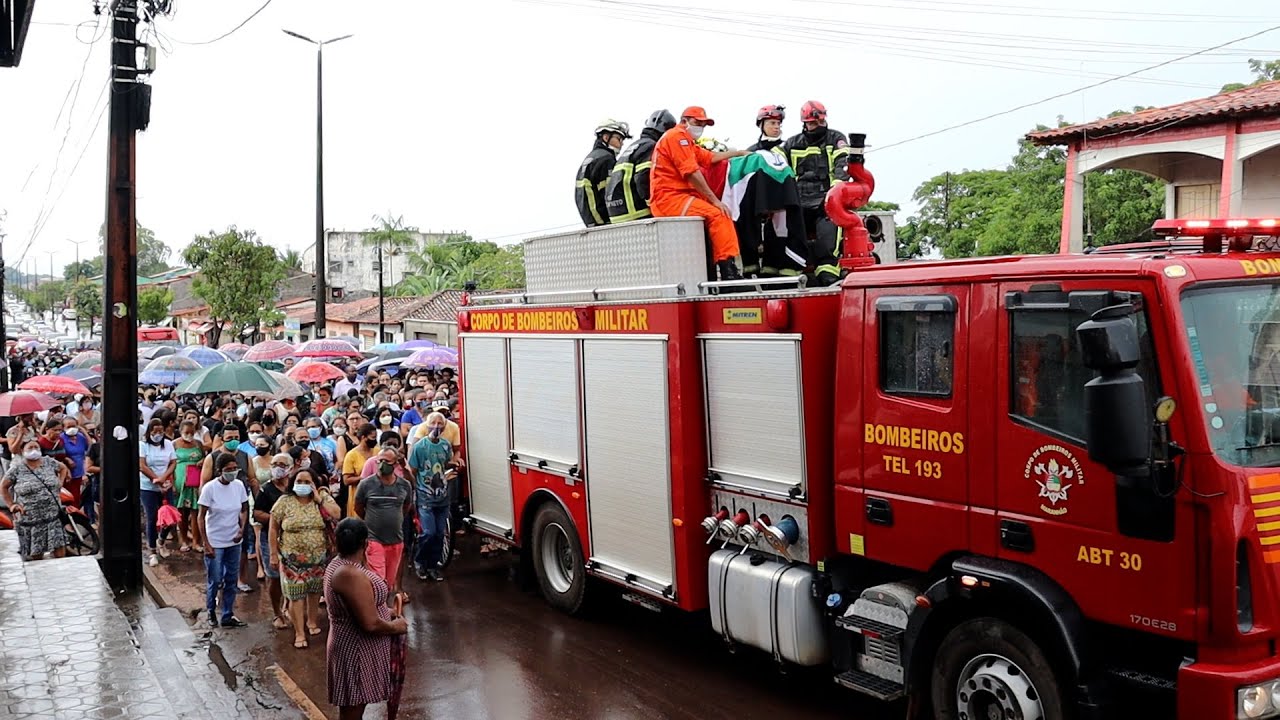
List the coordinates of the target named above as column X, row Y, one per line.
column 557, row 559
column 986, row 668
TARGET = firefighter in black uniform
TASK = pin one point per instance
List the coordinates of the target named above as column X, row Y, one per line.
column 627, row 193
column 593, row 174
column 819, row 157
column 769, row 120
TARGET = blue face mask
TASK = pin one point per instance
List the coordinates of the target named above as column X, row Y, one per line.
column 231, row 445
column 302, row 490
column 314, row 432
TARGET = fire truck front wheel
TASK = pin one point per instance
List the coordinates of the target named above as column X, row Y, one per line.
column 986, row 668
column 557, row 559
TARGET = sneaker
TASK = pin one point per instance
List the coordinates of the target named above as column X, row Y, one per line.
column 213, row 621
column 154, row 560
column 163, row 551
column 234, row 622
column 421, row 573
column 437, row 575
column 245, row 587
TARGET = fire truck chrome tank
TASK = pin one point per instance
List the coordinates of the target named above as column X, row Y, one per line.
column 767, row 604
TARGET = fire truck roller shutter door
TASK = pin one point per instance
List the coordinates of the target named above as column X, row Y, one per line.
column 544, row 401
column 629, row 459
column 488, row 442
column 745, row 378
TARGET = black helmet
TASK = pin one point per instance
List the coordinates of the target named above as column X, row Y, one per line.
column 660, row 120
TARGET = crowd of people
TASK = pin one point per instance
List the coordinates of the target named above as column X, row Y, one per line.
column 672, row 170
column 285, row 494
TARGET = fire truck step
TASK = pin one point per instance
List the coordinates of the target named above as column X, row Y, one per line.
column 870, row 628
column 1142, row 680
column 869, row 684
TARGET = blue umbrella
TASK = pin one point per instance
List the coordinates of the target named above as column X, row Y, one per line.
column 87, row 377
column 382, row 348
column 168, row 378
column 168, row 370
column 203, row 355
column 416, row 345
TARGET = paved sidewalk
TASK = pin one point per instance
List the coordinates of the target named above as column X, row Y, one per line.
column 68, row 650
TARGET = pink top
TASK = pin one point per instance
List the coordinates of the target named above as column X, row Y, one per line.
column 371, row 468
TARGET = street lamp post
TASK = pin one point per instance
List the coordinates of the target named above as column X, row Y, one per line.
column 321, row 259
column 77, row 243
column 53, row 316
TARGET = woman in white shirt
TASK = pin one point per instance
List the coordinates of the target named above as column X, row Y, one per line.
column 157, row 461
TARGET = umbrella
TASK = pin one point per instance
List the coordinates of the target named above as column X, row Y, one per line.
column 383, row 348
column 91, row 378
column 228, row 377
column 234, row 350
column 23, row 402
column 54, row 385
column 327, row 348
column 66, row 370
column 86, row 359
column 168, row 370
column 269, row 350
column 286, row 388
column 348, row 339
column 156, row 351
column 432, row 358
column 393, row 355
column 416, row 345
column 203, row 355
column 315, row 372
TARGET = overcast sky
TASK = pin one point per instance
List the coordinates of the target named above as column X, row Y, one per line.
column 475, row 115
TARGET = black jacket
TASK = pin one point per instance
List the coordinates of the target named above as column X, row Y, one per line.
column 819, row 163
column 588, row 192
column 627, row 194
column 765, row 143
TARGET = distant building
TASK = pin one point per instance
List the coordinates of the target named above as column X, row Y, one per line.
column 1219, row 155
column 352, row 272
column 436, row 320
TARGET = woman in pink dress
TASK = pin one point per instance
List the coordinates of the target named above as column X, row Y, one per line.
column 362, row 629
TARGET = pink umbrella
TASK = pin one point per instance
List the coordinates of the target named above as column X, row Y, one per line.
column 432, row 358
column 54, row 385
column 314, row 372
column 24, row 402
column 268, row 351
column 326, row 348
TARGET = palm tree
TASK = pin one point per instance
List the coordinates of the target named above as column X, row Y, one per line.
column 291, row 259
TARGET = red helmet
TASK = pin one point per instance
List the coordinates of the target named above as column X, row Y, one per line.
column 813, row 111
column 771, row 112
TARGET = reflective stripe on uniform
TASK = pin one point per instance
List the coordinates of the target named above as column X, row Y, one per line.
column 798, row 155
column 585, row 186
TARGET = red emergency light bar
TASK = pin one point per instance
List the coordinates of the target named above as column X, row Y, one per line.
column 1241, row 231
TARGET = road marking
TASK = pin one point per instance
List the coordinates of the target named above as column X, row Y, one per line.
column 295, row 693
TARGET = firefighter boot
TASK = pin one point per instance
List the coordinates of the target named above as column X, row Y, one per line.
column 728, row 269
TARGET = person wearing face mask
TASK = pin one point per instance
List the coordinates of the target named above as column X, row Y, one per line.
column 30, row 490
column 231, row 445
column 415, row 414
column 384, row 499
column 88, row 414
column 309, row 457
column 275, row 488
column 353, row 465
column 190, row 453
column 76, row 446
column 820, row 158
column 300, row 550
column 593, row 173
column 157, row 461
column 679, row 189
column 224, row 519
column 322, row 443
column 430, row 463
column 269, row 420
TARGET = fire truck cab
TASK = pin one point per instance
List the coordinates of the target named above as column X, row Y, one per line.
column 1022, row 487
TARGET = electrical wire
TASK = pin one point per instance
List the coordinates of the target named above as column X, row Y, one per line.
column 225, row 34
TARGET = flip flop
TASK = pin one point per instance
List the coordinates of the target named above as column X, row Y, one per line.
column 314, row 631
column 280, row 623
column 300, row 644
column 185, row 549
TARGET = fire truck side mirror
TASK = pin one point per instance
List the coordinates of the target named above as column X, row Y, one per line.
column 1118, row 423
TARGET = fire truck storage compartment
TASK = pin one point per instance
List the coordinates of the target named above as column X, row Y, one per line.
column 629, row 460
column 544, row 403
column 768, row 605
column 748, row 378
column 652, row 253
column 488, row 439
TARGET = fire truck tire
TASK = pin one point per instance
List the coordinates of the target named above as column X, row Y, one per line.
column 987, row 668
column 557, row 560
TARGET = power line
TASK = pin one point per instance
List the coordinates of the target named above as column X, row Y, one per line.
column 1077, row 90
column 225, row 34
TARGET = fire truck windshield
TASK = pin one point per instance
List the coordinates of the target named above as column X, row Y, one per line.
column 1234, row 335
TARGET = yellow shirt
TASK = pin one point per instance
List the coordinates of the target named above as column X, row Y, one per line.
column 353, row 464
column 452, row 433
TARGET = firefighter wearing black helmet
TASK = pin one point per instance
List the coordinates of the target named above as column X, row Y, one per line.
column 593, row 174
column 627, row 193
column 818, row 156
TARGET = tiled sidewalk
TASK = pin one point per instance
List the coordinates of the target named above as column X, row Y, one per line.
column 69, row 651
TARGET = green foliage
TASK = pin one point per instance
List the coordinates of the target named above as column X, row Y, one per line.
column 153, row 254
column 1264, row 71
column 86, row 298
column 391, row 233
column 77, row 271
column 1018, row 210
column 451, row 264
column 154, row 304
column 881, row 206
column 239, row 279
column 291, row 259
column 46, row 296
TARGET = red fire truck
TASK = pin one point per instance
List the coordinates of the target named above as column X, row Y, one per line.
column 1024, row 487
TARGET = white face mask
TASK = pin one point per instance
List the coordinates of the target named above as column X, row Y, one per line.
column 72, row 432
column 696, row 131
column 31, row 454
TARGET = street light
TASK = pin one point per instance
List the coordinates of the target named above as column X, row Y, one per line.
column 321, row 260
column 77, row 243
column 53, row 316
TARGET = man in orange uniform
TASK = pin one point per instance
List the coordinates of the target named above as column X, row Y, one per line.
column 679, row 189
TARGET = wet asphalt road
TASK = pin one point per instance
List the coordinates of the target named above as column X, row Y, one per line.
column 482, row 648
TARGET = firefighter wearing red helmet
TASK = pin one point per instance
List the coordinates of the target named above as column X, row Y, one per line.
column 769, row 119
column 627, row 193
column 593, row 174
column 819, row 156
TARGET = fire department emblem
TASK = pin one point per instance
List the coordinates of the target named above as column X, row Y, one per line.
column 1056, row 470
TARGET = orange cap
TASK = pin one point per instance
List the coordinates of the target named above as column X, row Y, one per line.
column 697, row 113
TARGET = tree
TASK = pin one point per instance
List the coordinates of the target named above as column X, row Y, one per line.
column 153, row 305
column 153, row 254
column 1264, row 71
column 239, row 279
column 86, row 298
column 291, row 259
column 47, row 296
column 501, row 270
column 77, row 271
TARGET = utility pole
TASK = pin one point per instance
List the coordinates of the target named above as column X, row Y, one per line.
column 4, row 335
column 121, row 505
column 381, row 298
column 53, row 314
column 322, row 260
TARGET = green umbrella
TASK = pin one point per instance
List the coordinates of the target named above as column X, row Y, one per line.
column 228, row 377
